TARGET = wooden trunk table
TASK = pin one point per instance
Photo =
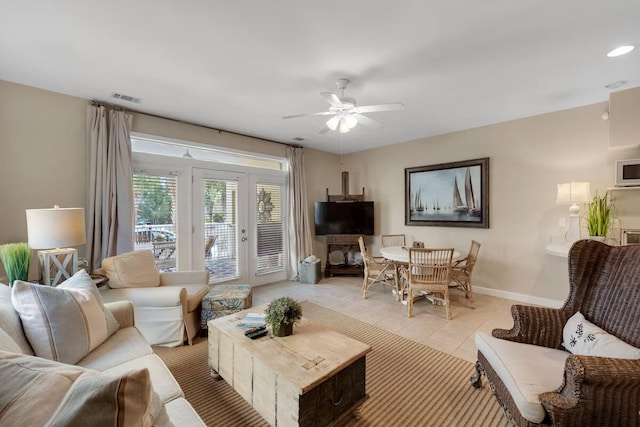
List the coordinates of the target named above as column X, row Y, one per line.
column 311, row 378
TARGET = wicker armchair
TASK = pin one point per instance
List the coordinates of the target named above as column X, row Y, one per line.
column 377, row 270
column 595, row 391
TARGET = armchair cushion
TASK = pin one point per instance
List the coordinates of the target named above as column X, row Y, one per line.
column 175, row 278
column 132, row 269
column 63, row 323
column 584, row 338
column 526, row 371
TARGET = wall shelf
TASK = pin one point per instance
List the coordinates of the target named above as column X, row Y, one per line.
column 557, row 249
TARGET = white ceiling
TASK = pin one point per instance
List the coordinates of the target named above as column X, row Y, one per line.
column 241, row 65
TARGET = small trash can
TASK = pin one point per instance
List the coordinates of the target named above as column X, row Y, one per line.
column 309, row 272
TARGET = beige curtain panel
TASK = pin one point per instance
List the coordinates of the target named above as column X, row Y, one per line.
column 300, row 240
column 110, row 218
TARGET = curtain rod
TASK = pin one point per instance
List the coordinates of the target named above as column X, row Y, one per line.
column 98, row 103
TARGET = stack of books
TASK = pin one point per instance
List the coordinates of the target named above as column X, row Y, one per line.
column 252, row 320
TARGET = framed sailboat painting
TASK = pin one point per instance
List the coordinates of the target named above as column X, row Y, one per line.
column 448, row 195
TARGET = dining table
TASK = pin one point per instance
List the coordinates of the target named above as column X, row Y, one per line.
column 399, row 255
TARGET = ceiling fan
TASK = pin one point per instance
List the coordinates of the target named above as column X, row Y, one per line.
column 346, row 113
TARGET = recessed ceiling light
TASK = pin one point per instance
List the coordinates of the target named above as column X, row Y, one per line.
column 616, row 85
column 620, row 50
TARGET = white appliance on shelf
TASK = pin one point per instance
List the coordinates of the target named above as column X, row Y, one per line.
column 630, row 237
column 627, row 173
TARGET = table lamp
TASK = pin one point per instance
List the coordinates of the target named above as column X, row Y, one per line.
column 53, row 230
column 573, row 193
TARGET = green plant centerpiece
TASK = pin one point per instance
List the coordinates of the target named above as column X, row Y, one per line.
column 282, row 313
column 599, row 216
column 15, row 258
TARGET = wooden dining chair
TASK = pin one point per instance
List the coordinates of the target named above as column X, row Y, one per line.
column 462, row 270
column 393, row 240
column 429, row 271
column 377, row 270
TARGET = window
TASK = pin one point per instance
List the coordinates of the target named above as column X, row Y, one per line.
column 217, row 209
column 270, row 226
column 156, row 201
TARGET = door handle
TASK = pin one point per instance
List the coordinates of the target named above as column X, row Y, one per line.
column 243, row 239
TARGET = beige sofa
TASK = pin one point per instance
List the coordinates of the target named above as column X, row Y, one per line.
column 167, row 305
column 123, row 352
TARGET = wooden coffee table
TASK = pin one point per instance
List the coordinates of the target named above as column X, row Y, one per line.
column 313, row 377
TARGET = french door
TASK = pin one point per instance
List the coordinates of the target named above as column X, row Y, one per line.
column 228, row 218
column 267, row 203
column 220, row 221
column 239, row 225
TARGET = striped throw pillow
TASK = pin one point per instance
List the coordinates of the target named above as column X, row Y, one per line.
column 63, row 323
column 43, row 392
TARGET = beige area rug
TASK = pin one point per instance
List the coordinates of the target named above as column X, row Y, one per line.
column 408, row 383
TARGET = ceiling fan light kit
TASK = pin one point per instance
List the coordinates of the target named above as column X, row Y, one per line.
column 344, row 127
column 346, row 113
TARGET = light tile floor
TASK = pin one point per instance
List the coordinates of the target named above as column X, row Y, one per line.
column 429, row 325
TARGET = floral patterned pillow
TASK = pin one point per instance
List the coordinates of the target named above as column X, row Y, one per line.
column 583, row 337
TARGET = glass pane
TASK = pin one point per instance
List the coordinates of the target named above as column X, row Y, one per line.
column 155, row 198
column 269, row 220
column 220, row 229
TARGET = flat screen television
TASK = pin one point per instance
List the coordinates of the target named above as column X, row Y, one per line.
column 344, row 218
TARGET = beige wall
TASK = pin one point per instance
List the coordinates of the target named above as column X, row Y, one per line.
column 528, row 157
column 43, row 156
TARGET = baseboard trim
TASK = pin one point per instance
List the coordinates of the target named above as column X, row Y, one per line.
column 529, row 299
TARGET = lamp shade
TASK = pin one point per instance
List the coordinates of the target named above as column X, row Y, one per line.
column 573, row 192
column 333, row 122
column 55, row 228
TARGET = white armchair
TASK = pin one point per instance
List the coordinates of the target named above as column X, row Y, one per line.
column 166, row 305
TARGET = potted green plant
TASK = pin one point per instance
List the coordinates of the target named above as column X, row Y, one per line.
column 599, row 216
column 282, row 313
column 15, row 258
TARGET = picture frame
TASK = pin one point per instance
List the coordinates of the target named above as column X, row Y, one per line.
column 452, row 194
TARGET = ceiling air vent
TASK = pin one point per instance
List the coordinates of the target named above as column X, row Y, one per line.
column 126, row 97
column 298, row 139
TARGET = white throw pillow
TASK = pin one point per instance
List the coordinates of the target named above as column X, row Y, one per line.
column 583, row 337
column 63, row 323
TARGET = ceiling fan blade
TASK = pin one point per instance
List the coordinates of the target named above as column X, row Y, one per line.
column 394, row 106
column 324, row 129
column 367, row 121
column 324, row 113
column 332, row 99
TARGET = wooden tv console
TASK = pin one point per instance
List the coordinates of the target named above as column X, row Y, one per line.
column 344, row 243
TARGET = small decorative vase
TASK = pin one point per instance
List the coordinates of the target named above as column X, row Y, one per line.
column 283, row 329
column 598, row 238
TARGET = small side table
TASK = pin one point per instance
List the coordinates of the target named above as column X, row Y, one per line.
column 99, row 280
